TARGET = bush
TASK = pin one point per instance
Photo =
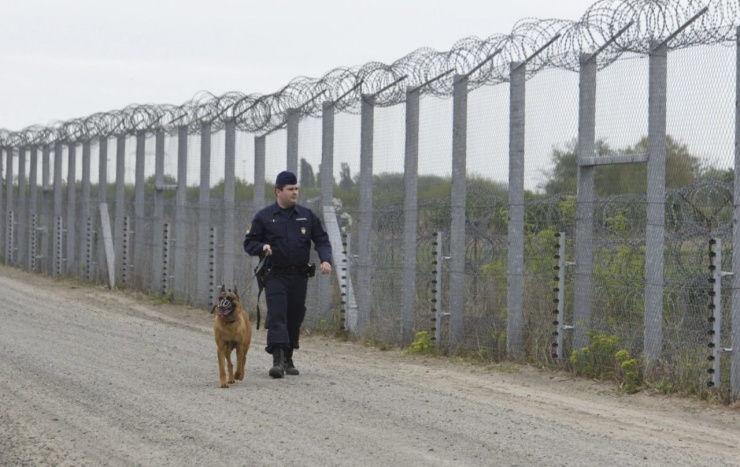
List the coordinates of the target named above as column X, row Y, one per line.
column 422, row 344
column 603, row 359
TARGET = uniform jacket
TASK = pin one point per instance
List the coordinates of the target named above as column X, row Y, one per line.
column 289, row 236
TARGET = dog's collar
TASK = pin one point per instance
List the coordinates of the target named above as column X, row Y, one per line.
column 225, row 318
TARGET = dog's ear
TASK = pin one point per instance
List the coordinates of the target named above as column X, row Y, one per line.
column 235, row 292
column 223, row 288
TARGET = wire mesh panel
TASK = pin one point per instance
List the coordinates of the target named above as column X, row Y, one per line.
column 309, row 157
column 219, row 214
column 244, row 210
column 620, row 214
column 699, row 161
column 385, row 234
column 434, row 188
column 187, row 238
column 46, row 224
column 552, row 111
column 142, row 185
column 344, row 171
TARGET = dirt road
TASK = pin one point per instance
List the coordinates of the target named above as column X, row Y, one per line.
column 93, row 377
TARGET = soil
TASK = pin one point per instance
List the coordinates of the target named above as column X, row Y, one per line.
column 90, row 376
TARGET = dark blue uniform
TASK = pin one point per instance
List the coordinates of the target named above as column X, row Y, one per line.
column 289, row 232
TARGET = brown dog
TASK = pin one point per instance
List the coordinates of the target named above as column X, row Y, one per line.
column 233, row 331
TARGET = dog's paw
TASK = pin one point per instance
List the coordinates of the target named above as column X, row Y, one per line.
column 224, row 384
column 238, row 376
column 232, row 381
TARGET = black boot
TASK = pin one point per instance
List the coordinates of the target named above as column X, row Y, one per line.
column 278, row 362
column 289, row 367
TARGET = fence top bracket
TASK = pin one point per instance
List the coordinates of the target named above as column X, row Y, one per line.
column 614, row 159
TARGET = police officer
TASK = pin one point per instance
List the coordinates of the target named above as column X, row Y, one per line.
column 283, row 231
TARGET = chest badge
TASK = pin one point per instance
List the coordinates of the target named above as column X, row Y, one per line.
column 303, row 231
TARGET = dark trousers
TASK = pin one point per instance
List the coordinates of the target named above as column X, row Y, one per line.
column 286, row 309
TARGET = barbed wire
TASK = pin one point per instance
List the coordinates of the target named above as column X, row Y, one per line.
column 647, row 22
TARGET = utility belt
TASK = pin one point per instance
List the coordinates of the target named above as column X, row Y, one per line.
column 309, row 270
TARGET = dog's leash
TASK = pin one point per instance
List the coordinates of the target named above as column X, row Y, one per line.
column 260, row 284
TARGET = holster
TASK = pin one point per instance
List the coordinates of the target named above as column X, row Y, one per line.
column 311, row 269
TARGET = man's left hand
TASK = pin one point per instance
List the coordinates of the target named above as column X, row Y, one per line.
column 325, row 268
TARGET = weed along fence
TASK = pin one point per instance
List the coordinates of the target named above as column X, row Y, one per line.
column 563, row 194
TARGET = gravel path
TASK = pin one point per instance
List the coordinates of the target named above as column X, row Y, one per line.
column 93, row 377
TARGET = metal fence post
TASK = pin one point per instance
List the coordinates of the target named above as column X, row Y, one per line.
column 212, row 282
column 229, row 226
column 57, row 256
column 327, row 154
column 32, row 241
column 258, row 196
column 8, row 225
column 410, row 214
column 365, row 221
column 204, row 214
column 165, row 281
column 181, row 214
column 47, row 222
column 20, row 255
column 102, row 200
column 58, row 247
column 653, row 336
column 20, row 245
column 716, row 274
column 291, row 163
column 85, row 248
column 10, row 238
column 87, row 255
column 71, row 218
column 120, row 208
column 158, row 215
column 735, row 365
column 585, row 202
column 515, row 274
column 139, row 241
column 327, row 200
column 125, row 251
column 32, row 210
column 3, row 181
column 437, row 283
column 457, row 209
column 559, row 312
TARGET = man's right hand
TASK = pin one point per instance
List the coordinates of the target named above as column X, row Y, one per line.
column 267, row 250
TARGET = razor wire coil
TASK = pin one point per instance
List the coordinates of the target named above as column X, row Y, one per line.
column 650, row 21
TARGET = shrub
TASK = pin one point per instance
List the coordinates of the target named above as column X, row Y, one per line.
column 422, row 344
column 603, row 359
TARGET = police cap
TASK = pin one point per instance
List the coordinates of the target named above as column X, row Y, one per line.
column 286, row 178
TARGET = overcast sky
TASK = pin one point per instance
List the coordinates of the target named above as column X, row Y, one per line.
column 64, row 59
